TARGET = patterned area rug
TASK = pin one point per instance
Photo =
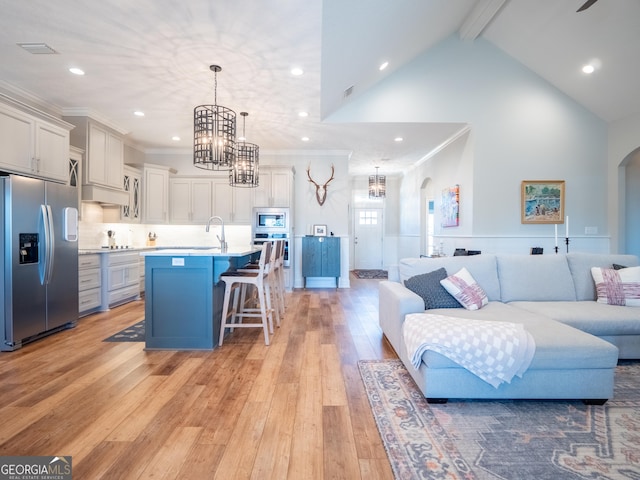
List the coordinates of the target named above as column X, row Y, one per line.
column 370, row 273
column 134, row 333
column 519, row 440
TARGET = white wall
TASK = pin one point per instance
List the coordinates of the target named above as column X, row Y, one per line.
column 522, row 128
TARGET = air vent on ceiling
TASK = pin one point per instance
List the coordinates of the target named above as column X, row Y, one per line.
column 37, row 48
column 348, row 91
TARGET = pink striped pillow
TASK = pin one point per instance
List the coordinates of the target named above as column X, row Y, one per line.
column 465, row 289
column 617, row 287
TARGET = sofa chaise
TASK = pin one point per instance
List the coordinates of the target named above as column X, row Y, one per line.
column 578, row 340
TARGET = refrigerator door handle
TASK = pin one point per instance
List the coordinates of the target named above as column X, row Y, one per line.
column 43, row 245
column 51, row 244
column 46, row 265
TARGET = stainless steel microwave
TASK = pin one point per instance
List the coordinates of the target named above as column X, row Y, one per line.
column 271, row 219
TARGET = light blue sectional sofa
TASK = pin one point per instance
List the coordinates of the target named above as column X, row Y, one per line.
column 578, row 340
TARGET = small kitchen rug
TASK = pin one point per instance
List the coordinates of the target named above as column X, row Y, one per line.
column 370, row 273
column 505, row 439
column 134, row 333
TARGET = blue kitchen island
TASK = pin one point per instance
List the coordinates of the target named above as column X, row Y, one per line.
column 184, row 295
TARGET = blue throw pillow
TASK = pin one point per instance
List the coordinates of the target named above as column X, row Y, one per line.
column 432, row 292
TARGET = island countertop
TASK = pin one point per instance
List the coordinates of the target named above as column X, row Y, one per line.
column 232, row 251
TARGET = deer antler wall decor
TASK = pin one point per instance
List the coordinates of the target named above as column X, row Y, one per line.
column 321, row 190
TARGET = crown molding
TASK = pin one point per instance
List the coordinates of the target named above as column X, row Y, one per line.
column 29, row 99
column 94, row 115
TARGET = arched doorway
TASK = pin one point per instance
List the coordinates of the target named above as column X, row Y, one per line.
column 631, row 226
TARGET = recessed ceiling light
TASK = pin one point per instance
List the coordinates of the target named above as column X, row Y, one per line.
column 303, row 114
column 398, row 139
column 297, row 71
column 138, row 113
column 76, row 71
column 175, row 138
column 383, row 65
column 588, row 69
column 305, row 139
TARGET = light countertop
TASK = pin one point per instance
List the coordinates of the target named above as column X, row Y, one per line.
column 89, row 251
column 232, row 251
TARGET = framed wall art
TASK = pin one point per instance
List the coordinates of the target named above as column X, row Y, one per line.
column 542, row 201
column 320, row 230
column 451, row 206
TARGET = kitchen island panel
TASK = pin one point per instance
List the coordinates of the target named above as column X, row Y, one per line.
column 184, row 296
column 179, row 303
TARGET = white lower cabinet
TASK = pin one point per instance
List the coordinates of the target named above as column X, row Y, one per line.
column 89, row 282
column 121, row 278
column 142, row 289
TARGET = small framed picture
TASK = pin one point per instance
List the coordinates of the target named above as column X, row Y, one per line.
column 320, row 230
column 542, row 201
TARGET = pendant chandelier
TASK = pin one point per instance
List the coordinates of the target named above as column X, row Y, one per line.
column 214, row 133
column 244, row 168
column 377, row 185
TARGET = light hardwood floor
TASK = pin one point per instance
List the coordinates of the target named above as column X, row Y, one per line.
column 293, row 410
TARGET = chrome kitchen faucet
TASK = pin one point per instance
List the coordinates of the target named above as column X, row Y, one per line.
column 223, row 242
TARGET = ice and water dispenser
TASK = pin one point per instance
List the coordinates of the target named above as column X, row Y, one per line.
column 28, row 248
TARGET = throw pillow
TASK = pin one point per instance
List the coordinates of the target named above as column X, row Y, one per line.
column 466, row 290
column 617, row 287
column 428, row 287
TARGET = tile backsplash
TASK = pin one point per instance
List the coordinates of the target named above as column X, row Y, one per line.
column 93, row 232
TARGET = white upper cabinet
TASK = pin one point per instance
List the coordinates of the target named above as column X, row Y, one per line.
column 275, row 187
column 191, row 200
column 223, row 199
column 52, row 145
column 32, row 145
column 243, row 201
column 104, row 153
column 105, row 158
column 155, row 193
column 132, row 184
column 233, row 204
column 196, row 199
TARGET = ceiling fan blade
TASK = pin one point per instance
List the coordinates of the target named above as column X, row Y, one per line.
column 586, row 5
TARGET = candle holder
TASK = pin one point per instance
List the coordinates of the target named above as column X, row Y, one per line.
column 566, row 241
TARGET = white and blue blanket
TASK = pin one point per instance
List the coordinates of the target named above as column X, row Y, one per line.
column 494, row 351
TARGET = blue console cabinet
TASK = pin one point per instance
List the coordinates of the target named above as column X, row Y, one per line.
column 320, row 257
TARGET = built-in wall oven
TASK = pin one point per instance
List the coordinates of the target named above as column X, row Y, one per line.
column 270, row 223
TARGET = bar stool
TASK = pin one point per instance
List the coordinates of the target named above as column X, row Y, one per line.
column 234, row 280
column 272, row 289
column 279, row 274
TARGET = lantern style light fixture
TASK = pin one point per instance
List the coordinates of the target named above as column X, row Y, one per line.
column 214, row 133
column 244, row 168
column 377, row 185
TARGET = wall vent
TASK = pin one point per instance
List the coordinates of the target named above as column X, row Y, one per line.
column 37, row 48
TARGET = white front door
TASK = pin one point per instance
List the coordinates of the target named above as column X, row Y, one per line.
column 367, row 238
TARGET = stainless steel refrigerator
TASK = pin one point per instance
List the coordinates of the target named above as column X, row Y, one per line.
column 38, row 240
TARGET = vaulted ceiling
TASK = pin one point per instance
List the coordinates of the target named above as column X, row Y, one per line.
column 154, row 56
